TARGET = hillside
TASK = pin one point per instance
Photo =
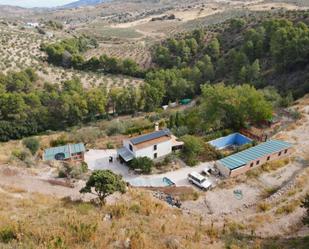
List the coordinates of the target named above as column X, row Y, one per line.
column 82, row 3
column 83, row 81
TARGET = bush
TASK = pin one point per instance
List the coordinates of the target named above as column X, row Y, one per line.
column 110, row 145
column 69, row 170
column 21, row 154
column 7, row 234
column 114, row 128
column 210, row 153
column 62, row 140
column 263, row 206
column 145, row 164
column 32, row 144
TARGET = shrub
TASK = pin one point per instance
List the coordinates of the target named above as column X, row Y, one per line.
column 305, row 204
column 62, row 140
column 210, row 153
column 110, row 145
column 145, row 164
column 32, row 144
column 114, row 128
column 86, row 135
column 274, row 165
column 82, row 232
column 7, row 234
column 69, row 170
column 263, row 206
column 21, row 154
column 288, row 208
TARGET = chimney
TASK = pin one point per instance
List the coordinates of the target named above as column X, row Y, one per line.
column 156, row 126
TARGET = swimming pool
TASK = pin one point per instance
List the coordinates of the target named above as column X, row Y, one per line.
column 230, row 140
column 151, row 182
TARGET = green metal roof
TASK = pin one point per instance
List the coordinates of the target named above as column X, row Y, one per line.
column 66, row 151
column 242, row 158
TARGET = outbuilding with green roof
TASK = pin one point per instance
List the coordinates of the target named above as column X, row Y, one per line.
column 65, row 152
column 255, row 156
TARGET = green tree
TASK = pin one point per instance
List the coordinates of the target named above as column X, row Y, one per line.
column 214, row 49
column 103, row 183
column 193, row 147
column 226, row 106
column 145, row 164
column 96, row 102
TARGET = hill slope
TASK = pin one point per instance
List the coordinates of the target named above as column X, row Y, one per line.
column 82, row 3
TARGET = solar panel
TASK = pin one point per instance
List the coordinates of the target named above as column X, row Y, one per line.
column 151, row 136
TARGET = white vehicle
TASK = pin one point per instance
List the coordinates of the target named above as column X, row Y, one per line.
column 206, row 171
column 199, row 180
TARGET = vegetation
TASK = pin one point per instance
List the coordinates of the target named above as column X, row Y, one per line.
column 104, row 183
column 68, row 53
column 193, row 147
column 25, row 110
column 144, row 164
column 305, row 204
column 32, row 144
column 278, row 44
column 187, row 65
column 225, row 106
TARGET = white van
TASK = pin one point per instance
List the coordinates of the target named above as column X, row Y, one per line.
column 199, row 180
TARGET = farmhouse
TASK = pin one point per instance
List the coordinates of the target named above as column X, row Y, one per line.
column 245, row 160
column 74, row 152
column 153, row 145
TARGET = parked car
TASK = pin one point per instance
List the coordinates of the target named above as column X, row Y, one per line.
column 206, row 171
column 199, row 180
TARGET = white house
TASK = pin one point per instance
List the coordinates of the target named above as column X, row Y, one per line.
column 153, row 145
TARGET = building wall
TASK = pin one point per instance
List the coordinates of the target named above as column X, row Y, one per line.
column 223, row 170
column 163, row 149
column 235, row 172
column 126, row 143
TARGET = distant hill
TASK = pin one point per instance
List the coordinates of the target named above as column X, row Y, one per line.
column 82, row 3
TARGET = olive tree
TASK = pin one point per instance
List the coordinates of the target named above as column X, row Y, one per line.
column 103, row 183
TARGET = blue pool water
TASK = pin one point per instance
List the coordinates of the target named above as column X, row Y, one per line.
column 154, row 182
column 232, row 139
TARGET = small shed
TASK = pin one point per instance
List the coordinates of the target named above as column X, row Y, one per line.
column 74, row 152
column 185, row 101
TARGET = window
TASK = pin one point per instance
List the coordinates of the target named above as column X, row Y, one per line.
column 155, row 147
column 251, row 165
column 286, row 151
column 268, row 158
column 279, row 154
column 258, row 162
column 131, row 147
column 155, row 155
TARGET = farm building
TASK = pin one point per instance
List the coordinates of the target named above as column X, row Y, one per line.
column 243, row 161
column 232, row 140
column 153, row 145
column 74, row 152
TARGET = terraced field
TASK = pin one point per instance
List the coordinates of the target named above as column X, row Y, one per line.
column 20, row 48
